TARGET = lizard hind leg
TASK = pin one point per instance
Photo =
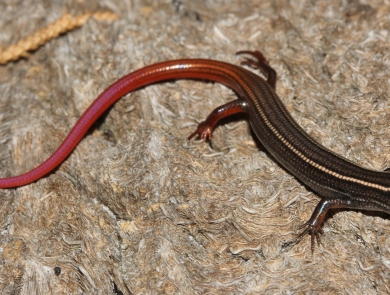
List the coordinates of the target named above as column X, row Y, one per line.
column 260, row 62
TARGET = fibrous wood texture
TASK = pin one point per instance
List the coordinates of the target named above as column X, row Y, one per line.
column 136, row 208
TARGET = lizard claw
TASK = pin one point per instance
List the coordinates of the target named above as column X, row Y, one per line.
column 314, row 230
column 204, row 130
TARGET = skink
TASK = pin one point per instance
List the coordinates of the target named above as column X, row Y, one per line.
column 340, row 183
